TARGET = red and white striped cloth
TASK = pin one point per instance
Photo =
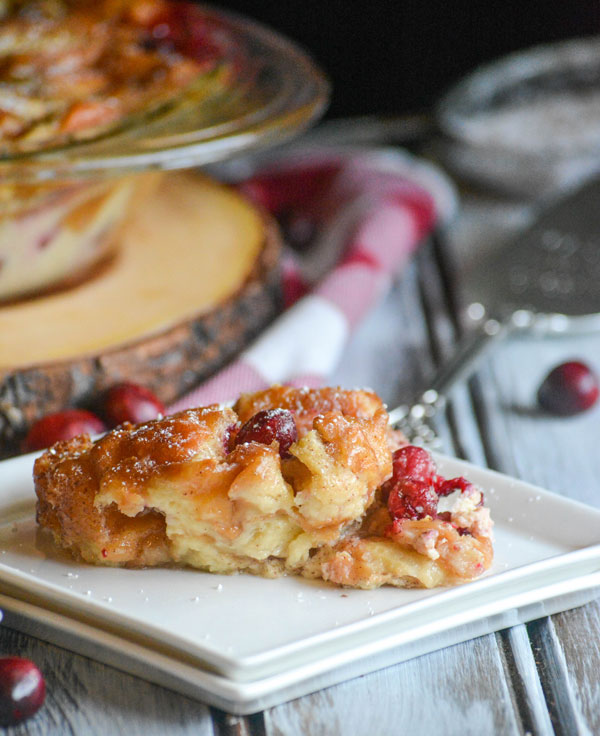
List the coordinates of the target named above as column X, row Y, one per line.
column 368, row 211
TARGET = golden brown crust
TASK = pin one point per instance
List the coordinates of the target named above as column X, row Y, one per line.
column 180, row 490
column 306, row 404
column 66, row 484
column 411, row 552
column 69, row 477
column 176, row 479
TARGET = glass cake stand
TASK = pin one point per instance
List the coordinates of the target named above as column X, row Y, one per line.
column 272, row 90
column 60, row 206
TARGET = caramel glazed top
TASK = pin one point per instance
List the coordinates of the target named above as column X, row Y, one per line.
column 180, row 489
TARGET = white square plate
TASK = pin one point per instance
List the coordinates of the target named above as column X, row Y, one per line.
column 245, row 643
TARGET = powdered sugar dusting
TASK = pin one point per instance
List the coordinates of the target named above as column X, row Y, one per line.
column 564, row 122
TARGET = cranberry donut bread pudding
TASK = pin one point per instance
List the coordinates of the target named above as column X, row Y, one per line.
column 308, row 482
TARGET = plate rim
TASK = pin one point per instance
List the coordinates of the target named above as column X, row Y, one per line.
column 277, row 658
column 245, row 697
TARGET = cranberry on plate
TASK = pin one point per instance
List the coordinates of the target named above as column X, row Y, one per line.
column 269, row 426
column 415, row 487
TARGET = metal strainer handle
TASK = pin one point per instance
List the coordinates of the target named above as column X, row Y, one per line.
column 412, row 419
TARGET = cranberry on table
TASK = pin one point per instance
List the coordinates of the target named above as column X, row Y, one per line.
column 22, row 690
column 568, row 389
column 63, row 425
column 268, row 426
column 130, row 402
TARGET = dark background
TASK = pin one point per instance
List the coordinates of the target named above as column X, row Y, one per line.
column 391, row 57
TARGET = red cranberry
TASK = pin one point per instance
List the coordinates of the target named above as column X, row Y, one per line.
column 412, row 499
column 272, row 425
column 446, row 487
column 414, row 462
column 22, row 690
column 569, row 388
column 414, row 489
column 412, row 492
column 64, row 425
column 130, row 402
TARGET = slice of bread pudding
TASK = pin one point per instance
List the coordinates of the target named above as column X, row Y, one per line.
column 287, row 481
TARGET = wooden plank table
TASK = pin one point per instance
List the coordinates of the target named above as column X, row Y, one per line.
column 539, row 678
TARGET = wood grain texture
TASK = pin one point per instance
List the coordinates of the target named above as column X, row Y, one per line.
column 559, row 454
column 85, row 697
column 437, row 694
column 551, row 667
column 576, row 634
column 525, row 687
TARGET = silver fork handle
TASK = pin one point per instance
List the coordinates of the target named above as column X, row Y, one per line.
column 471, row 350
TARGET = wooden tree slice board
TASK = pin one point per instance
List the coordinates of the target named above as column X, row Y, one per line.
column 196, row 276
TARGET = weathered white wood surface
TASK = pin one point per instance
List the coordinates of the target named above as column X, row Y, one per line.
column 540, row 679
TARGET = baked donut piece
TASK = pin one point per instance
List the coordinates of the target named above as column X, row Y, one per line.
column 69, row 477
column 408, row 545
column 422, row 553
column 181, row 490
column 339, row 504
